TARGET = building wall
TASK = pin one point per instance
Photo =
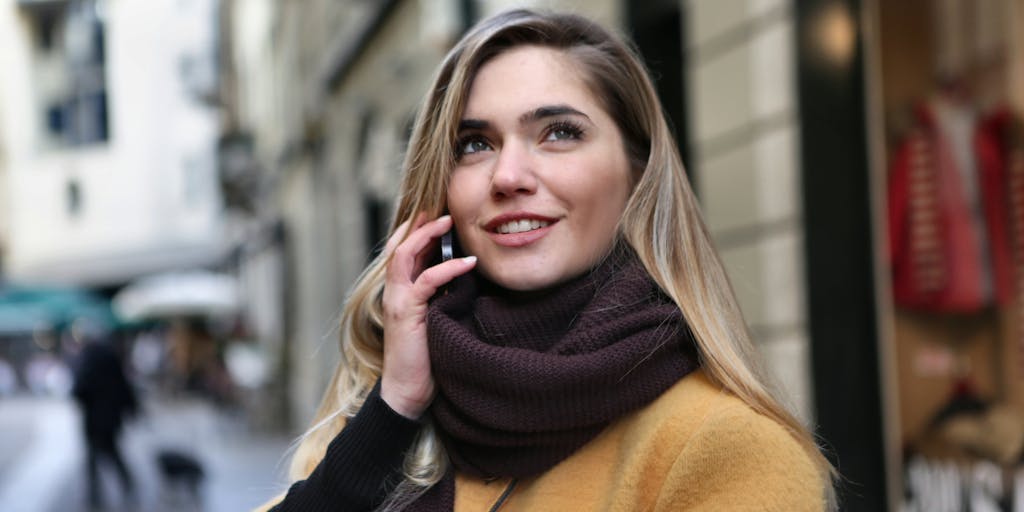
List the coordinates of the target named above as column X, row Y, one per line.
column 275, row 52
column 13, row 54
column 364, row 120
column 745, row 129
column 146, row 197
column 5, row 215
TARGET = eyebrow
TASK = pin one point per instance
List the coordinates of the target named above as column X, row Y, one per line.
column 528, row 117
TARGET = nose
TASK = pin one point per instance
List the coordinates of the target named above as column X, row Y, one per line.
column 514, row 171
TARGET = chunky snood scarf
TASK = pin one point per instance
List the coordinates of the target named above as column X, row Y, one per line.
column 524, row 380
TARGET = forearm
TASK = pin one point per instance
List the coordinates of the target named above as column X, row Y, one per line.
column 361, row 465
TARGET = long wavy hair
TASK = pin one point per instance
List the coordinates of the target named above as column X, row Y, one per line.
column 661, row 221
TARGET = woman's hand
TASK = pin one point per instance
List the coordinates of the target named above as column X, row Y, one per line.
column 407, row 385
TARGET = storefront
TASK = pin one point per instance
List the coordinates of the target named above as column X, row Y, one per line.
column 953, row 244
column 939, row 85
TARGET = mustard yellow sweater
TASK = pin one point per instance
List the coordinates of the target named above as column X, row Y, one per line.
column 695, row 448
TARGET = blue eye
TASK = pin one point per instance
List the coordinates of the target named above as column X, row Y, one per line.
column 470, row 145
column 564, row 130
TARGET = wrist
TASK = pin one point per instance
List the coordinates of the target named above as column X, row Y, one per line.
column 402, row 402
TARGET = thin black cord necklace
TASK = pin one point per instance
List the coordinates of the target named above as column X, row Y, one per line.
column 504, row 496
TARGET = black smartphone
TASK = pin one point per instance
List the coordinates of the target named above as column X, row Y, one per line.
column 447, row 250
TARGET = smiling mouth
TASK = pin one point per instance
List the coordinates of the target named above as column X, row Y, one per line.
column 520, row 226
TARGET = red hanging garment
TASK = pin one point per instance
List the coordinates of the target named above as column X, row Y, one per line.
column 950, row 249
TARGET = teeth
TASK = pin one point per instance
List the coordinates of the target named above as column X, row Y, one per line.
column 519, row 226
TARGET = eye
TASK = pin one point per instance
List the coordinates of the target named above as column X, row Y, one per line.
column 471, row 144
column 563, row 130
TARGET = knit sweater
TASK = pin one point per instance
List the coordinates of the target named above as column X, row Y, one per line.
column 695, row 448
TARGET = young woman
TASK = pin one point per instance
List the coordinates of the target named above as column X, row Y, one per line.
column 583, row 350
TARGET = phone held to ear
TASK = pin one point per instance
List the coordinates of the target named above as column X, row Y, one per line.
column 447, row 251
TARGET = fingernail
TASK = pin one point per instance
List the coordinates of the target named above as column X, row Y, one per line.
column 469, row 259
column 444, row 217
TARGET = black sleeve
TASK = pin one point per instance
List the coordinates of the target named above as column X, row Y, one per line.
column 362, row 464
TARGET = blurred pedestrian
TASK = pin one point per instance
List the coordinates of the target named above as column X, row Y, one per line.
column 106, row 400
column 8, row 379
column 197, row 361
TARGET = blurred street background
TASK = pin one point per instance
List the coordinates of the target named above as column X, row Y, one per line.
column 43, row 458
column 189, row 187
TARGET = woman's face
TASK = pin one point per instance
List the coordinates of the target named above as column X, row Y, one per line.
column 542, row 176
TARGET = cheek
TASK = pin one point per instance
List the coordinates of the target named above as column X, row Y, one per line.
column 606, row 193
column 606, row 201
column 461, row 199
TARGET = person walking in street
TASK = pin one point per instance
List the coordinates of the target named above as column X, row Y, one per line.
column 549, row 326
column 106, row 400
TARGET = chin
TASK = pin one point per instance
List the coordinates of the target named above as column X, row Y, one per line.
column 519, row 284
column 522, row 281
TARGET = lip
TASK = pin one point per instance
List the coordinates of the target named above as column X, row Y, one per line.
column 518, row 239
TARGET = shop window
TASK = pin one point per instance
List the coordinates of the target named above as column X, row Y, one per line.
column 954, row 138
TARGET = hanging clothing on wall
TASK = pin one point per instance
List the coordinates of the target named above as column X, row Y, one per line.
column 951, row 248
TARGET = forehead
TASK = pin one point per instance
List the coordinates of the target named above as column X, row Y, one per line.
column 526, row 77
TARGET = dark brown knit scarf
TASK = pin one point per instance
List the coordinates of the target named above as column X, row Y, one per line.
column 524, row 380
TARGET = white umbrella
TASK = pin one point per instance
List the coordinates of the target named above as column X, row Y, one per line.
column 194, row 293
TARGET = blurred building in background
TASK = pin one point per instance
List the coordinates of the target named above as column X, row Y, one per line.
column 110, row 134
column 4, row 203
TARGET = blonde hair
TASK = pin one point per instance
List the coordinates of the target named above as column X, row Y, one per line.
column 661, row 222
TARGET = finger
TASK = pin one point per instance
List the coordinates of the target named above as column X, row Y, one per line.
column 408, row 259
column 431, row 279
column 402, row 229
column 396, row 238
column 419, row 220
column 422, row 235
